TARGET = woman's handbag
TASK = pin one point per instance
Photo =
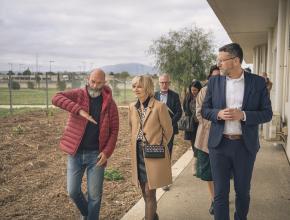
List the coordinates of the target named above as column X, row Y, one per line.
column 185, row 123
column 152, row 150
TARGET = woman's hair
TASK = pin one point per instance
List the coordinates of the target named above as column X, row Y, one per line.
column 195, row 84
column 212, row 68
column 145, row 82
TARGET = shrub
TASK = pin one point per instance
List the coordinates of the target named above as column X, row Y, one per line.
column 15, row 85
column 61, row 85
column 113, row 175
column 18, row 129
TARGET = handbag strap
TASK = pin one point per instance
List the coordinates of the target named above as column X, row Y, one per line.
column 141, row 126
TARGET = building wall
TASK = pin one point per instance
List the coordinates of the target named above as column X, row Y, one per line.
column 279, row 52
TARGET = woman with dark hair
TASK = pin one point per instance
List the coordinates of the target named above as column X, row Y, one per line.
column 189, row 108
column 203, row 169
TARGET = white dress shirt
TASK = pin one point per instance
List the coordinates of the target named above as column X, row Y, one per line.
column 234, row 99
column 163, row 97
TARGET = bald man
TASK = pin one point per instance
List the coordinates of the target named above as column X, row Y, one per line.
column 89, row 139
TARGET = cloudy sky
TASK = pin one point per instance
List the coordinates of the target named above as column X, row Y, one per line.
column 81, row 34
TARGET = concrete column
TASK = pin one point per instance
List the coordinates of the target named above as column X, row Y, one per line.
column 254, row 60
column 267, row 126
column 258, row 60
column 269, row 53
column 264, row 58
column 280, row 56
column 288, row 72
column 285, row 66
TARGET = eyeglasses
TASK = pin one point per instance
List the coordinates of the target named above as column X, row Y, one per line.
column 164, row 82
column 221, row 61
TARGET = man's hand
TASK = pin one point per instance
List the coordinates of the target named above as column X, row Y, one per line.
column 102, row 159
column 87, row 116
column 230, row 114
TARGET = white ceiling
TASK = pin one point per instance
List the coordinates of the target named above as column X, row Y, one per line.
column 246, row 21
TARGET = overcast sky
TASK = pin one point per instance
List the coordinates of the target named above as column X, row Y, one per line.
column 81, row 34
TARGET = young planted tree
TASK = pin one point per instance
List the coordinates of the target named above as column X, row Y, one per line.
column 185, row 55
column 37, row 80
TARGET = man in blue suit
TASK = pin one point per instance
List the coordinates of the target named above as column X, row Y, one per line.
column 236, row 103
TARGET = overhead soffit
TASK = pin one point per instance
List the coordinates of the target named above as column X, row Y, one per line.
column 247, row 22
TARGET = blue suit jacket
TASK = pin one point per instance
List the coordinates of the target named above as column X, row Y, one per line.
column 256, row 104
column 173, row 102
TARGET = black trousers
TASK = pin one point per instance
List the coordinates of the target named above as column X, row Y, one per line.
column 170, row 145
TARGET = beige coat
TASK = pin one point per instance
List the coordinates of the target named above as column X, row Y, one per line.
column 157, row 122
column 202, row 134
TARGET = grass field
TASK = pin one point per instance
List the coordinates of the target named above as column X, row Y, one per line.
column 6, row 112
column 38, row 96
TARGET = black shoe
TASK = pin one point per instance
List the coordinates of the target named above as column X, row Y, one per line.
column 166, row 188
column 211, row 210
column 156, row 217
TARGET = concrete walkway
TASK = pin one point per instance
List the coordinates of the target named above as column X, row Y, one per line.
column 270, row 195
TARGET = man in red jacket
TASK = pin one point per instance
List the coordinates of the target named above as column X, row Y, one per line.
column 89, row 139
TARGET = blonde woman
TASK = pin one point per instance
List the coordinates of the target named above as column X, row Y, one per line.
column 149, row 120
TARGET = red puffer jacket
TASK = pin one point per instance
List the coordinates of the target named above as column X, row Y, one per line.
column 75, row 100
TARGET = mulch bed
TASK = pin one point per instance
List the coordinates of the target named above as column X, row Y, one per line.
column 33, row 169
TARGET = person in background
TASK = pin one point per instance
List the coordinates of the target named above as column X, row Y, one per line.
column 171, row 99
column 269, row 84
column 189, row 108
column 149, row 120
column 89, row 139
column 203, row 170
column 248, row 70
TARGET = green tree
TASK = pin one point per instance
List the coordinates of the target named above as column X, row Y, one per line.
column 27, row 72
column 185, row 55
column 124, row 75
column 37, row 80
column 114, row 83
column 10, row 73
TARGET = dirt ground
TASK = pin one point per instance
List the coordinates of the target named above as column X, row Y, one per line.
column 33, row 169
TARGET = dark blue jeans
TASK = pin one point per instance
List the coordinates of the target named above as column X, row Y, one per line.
column 76, row 166
column 231, row 156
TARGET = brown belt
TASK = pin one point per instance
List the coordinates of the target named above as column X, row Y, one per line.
column 233, row 136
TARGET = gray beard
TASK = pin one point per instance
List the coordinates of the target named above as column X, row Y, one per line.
column 94, row 93
column 225, row 73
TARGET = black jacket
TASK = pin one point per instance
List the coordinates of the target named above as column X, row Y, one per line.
column 173, row 103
